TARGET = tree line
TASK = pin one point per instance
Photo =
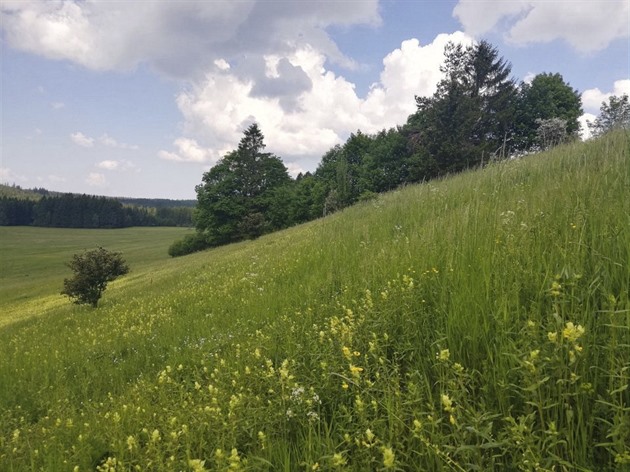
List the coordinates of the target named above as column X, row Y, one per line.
column 87, row 211
column 478, row 114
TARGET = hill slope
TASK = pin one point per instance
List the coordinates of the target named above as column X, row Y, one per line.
column 480, row 322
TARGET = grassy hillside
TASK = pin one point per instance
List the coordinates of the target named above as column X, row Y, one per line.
column 477, row 323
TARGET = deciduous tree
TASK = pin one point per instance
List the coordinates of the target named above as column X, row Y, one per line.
column 612, row 115
column 93, row 270
column 547, row 96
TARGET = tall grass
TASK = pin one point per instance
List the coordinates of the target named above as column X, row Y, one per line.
column 481, row 322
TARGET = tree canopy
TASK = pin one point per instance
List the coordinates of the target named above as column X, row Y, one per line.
column 237, row 194
column 546, row 97
column 470, row 116
column 614, row 114
column 93, row 270
column 478, row 113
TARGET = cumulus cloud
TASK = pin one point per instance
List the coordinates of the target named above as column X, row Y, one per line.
column 80, row 139
column 294, row 169
column 592, row 98
column 218, row 108
column 245, row 61
column 107, row 140
column 188, row 150
column 584, row 120
column 95, row 179
column 116, row 165
column 177, row 38
column 586, row 26
column 5, row 175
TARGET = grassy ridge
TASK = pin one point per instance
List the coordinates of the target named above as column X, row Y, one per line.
column 477, row 322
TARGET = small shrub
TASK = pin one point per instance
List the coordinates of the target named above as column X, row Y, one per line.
column 191, row 243
column 92, row 271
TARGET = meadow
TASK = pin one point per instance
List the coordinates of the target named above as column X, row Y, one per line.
column 33, row 261
column 479, row 322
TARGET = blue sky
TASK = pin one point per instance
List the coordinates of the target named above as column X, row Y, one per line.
column 140, row 98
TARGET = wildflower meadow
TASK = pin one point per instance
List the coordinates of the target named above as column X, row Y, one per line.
column 480, row 322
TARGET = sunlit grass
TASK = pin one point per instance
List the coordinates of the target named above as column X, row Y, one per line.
column 33, row 261
column 481, row 322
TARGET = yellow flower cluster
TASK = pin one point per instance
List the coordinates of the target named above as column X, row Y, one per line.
column 571, row 332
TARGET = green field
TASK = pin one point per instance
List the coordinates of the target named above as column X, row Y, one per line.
column 33, row 261
column 480, row 322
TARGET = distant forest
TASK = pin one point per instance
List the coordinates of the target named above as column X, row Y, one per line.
column 40, row 207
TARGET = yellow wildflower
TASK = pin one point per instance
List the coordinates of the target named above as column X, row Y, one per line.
column 556, row 289
column 572, row 332
column 355, row 370
column 347, row 353
column 338, row 460
column 444, row 355
column 553, row 337
column 197, row 465
column 447, row 403
column 388, row 457
column 131, row 443
column 234, row 460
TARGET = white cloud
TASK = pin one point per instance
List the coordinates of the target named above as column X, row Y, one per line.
column 57, row 105
column 586, row 26
column 108, row 165
column 95, row 179
column 592, row 98
column 80, row 139
column 218, row 107
column 86, row 141
column 585, row 119
column 114, row 165
column 294, row 169
column 5, row 175
column 107, row 140
column 188, row 150
column 175, row 37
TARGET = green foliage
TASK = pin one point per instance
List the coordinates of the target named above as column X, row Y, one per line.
column 189, row 244
column 236, row 194
column 470, row 117
column 546, row 97
column 93, row 270
column 612, row 115
column 551, row 132
column 39, row 207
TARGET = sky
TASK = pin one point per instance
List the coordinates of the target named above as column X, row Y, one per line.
column 138, row 98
